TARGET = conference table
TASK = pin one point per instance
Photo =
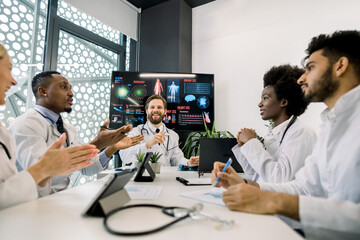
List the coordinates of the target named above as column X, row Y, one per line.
column 58, row 216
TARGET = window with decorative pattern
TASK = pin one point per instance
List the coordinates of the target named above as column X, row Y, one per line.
column 20, row 21
column 87, row 65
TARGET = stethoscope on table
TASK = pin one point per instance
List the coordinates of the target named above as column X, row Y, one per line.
column 179, row 213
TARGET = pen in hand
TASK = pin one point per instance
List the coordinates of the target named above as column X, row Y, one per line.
column 228, row 163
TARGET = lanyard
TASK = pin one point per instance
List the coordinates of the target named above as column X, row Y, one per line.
column 44, row 116
column 53, row 123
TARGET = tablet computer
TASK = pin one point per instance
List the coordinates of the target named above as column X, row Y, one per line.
column 145, row 165
column 111, row 195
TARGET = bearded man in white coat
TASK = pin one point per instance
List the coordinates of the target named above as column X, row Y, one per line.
column 157, row 137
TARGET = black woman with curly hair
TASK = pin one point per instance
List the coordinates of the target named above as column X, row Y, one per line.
column 284, row 149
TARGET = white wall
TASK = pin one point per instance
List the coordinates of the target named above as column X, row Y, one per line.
column 239, row 40
column 118, row 14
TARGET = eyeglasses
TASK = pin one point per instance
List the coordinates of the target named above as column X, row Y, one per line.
column 6, row 150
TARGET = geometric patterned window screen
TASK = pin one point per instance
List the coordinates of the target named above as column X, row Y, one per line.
column 16, row 31
column 81, row 19
column 87, row 66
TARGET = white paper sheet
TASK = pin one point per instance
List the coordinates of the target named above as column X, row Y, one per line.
column 144, row 191
column 208, row 195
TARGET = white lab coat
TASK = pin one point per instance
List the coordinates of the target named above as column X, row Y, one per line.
column 173, row 157
column 15, row 187
column 33, row 135
column 331, row 175
column 278, row 163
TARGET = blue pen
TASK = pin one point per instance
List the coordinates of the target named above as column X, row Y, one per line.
column 228, row 163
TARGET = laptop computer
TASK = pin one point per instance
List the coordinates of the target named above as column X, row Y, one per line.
column 217, row 149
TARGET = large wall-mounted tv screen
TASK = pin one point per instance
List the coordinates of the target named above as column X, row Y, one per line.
column 190, row 98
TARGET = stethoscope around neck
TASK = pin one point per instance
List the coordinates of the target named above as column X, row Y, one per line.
column 143, row 129
column 6, row 150
column 292, row 121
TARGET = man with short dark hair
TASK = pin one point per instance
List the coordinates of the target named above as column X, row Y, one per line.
column 324, row 195
column 41, row 126
column 158, row 138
